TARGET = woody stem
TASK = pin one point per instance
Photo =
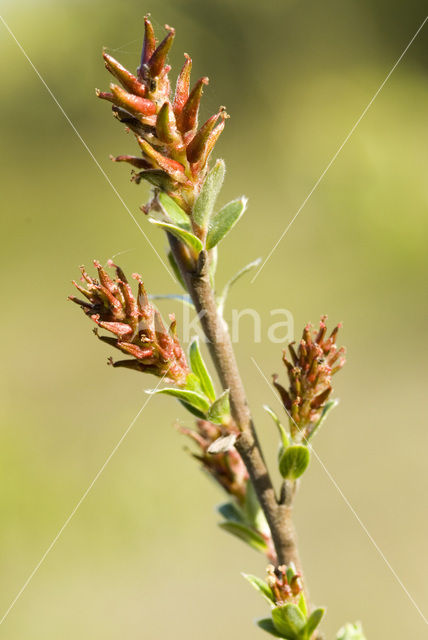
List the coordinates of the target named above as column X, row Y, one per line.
column 278, row 512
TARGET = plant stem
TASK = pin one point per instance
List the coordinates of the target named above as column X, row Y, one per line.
column 278, row 513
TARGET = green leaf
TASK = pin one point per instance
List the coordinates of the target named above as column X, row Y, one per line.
column 219, row 412
column 230, row 512
column 289, row 621
column 199, row 368
column 205, row 202
column 261, row 586
column 331, row 404
column 174, row 211
column 294, row 461
column 290, row 572
column 193, row 411
column 176, row 269
column 282, row 432
column 185, row 236
column 223, row 297
column 184, row 299
column 267, row 625
column 313, row 621
column 252, row 538
column 192, row 398
column 302, row 605
column 223, row 221
column 351, row 632
column 193, row 383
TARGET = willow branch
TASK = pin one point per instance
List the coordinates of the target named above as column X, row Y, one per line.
column 277, row 512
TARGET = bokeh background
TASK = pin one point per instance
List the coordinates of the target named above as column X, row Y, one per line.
column 142, row 557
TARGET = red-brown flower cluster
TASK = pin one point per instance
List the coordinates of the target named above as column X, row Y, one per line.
column 226, row 468
column 283, row 589
column 137, row 326
column 310, row 370
column 174, row 151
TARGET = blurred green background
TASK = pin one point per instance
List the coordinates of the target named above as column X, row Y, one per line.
column 142, row 557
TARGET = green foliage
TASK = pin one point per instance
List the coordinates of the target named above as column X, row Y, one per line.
column 222, row 222
column 267, row 625
column 289, row 621
column 294, row 461
column 219, row 412
column 249, row 520
column 285, row 440
column 199, row 396
column 245, row 533
column 313, row 621
column 261, row 586
column 176, row 269
column 174, row 212
column 182, row 234
column 230, row 511
column 200, row 370
column 351, row 632
column 191, row 398
column 205, row 202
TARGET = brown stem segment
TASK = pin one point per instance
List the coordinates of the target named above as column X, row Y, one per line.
column 278, row 513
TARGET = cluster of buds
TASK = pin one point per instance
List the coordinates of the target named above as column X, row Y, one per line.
column 174, row 151
column 285, row 588
column 227, row 468
column 310, row 369
column 137, row 326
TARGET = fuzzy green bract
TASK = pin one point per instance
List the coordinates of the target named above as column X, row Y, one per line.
column 205, row 202
column 294, row 461
column 222, row 222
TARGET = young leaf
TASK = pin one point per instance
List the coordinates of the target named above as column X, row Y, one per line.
column 351, row 632
column 198, row 367
column 282, row 432
column 289, row 621
column 195, row 412
column 254, row 513
column 191, row 398
column 267, row 625
column 290, row 572
column 331, row 404
column 313, row 621
column 230, row 511
column 223, row 297
column 193, row 383
column 219, row 412
column 205, row 202
column 174, row 211
column 252, row 538
column 302, row 605
column 261, row 586
column 223, row 221
column 176, row 269
column 294, row 461
column 188, row 238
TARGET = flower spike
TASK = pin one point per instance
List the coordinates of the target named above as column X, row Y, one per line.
column 175, row 155
column 137, row 326
column 310, row 370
